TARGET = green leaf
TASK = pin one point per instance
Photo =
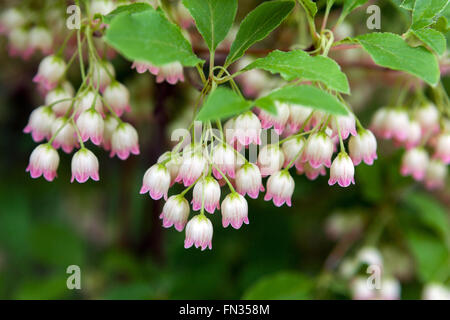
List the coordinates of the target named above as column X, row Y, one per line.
column 127, row 9
column 310, row 7
column 257, row 25
column 281, row 286
column 148, row 36
column 349, row 6
column 427, row 9
column 222, row 103
column 391, row 51
column 407, row 4
column 214, row 18
column 307, row 96
column 298, row 64
column 434, row 39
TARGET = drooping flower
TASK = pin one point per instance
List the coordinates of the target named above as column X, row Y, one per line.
column 199, row 232
column 172, row 163
column 378, row 121
column 110, row 125
column 247, row 129
column 442, row 150
column 280, row 188
column 342, row 171
column 50, row 72
column 175, row 212
column 171, row 72
column 318, row 150
column 435, row 174
column 312, row 173
column 414, row 135
column 292, row 149
column 270, row 159
column 103, row 74
column 223, row 158
column 234, row 211
column 91, row 126
column 90, row 99
column 58, row 94
column 44, row 160
column 117, row 96
column 278, row 121
column 428, row 117
column 345, row 124
column 207, row 192
column 297, row 116
column 124, row 141
column 193, row 165
column 435, row 291
column 156, row 182
column 84, row 166
column 65, row 135
column 19, row 43
column 40, row 123
column 363, row 147
column 415, row 163
column 41, row 39
column 396, row 123
column 249, row 181
column 10, row 19
column 102, row 7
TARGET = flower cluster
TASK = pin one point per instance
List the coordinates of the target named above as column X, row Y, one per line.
column 310, row 138
column 426, row 141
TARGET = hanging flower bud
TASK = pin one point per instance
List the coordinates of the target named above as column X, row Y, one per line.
column 50, row 72
column 58, row 94
column 270, row 159
column 224, row 158
column 11, row 19
column 312, row 173
column 234, row 211
column 361, row 291
column 435, row 291
column 40, row 124
column 363, row 147
column 292, row 150
column 117, row 97
column 415, row 163
column 435, row 174
column 171, row 72
column 442, row 150
column 247, row 129
column 41, row 39
column 342, row 171
column 396, row 124
column 254, row 81
column 193, row 165
column 199, row 232
column 102, row 7
column 124, row 141
column 209, row 190
column 19, row 43
column 156, row 182
column 318, row 150
column 249, row 180
column 65, row 135
column 414, row 135
column 378, row 121
column 346, row 125
column 143, row 67
column 280, row 188
column 173, row 165
column 390, row 289
column 428, row 117
column 91, row 126
column 110, row 125
column 277, row 121
column 103, row 74
column 90, row 99
column 84, row 166
column 44, row 160
column 297, row 116
column 175, row 212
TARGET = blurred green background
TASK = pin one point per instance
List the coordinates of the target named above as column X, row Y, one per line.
column 114, row 235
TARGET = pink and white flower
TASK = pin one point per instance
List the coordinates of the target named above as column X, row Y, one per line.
column 297, row 116
column 396, row 124
column 117, row 96
column 143, row 67
column 363, row 147
column 378, row 121
column 442, row 149
column 41, row 39
column 102, row 7
column 199, row 232
column 345, row 124
column 313, row 173
column 172, row 163
column 64, row 135
column 110, row 125
column 124, row 141
column 156, row 182
column 44, row 160
column 428, row 117
column 277, row 121
column 247, row 129
column 318, row 150
column 207, row 192
column 19, row 43
column 84, row 166
column 193, row 165
column 224, row 158
column 414, row 135
column 292, row 149
column 90, row 99
column 435, row 291
column 91, row 126
column 10, row 19
column 40, row 124
column 234, row 211
column 254, row 81
column 58, row 94
column 270, row 159
column 103, row 74
column 249, row 181
column 175, row 212
column 170, row 72
column 415, row 162
column 50, row 72
column 280, row 188
column 342, row 171
column 435, row 175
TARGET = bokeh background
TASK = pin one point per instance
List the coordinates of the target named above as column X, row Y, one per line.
column 114, row 234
